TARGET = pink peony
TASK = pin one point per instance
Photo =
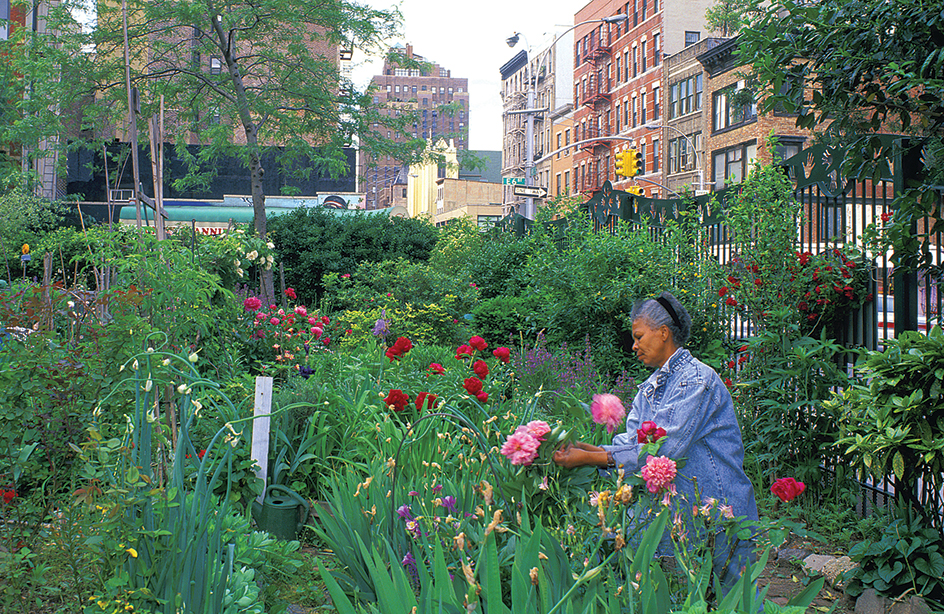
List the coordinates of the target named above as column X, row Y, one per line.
column 274, row 321
column 521, row 448
column 316, row 331
column 537, row 429
column 261, row 316
column 608, row 410
column 252, row 304
column 658, row 472
column 300, row 310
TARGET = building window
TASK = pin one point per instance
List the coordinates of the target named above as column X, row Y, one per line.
column 733, row 106
column 691, row 37
column 685, row 96
column 730, row 165
column 642, row 11
column 636, row 12
column 656, row 48
column 566, row 180
column 681, row 156
column 618, row 118
column 558, row 192
column 642, row 108
column 216, row 66
column 635, row 61
column 642, row 54
column 487, row 221
column 642, row 158
column 655, row 104
column 635, row 112
column 619, row 72
column 655, row 155
column 560, row 138
column 655, row 6
column 626, row 65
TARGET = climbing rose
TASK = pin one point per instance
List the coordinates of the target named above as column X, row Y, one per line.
column 480, row 368
column 658, row 473
column 608, row 410
column 290, row 292
column 503, row 354
column 722, row 290
column 521, row 448
column 478, row 343
column 252, row 304
column 731, row 301
column 787, row 489
column 649, row 432
column 396, row 400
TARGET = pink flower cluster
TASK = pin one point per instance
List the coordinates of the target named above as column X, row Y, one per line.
column 522, row 447
column 658, row 473
column 608, row 410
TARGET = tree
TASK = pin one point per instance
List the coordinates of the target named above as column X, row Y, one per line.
column 857, row 68
column 728, row 17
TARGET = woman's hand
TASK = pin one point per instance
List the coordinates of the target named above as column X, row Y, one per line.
column 580, row 455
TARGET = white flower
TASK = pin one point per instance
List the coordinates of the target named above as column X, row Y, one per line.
column 236, row 263
column 240, row 272
column 148, row 385
column 182, row 389
column 270, row 259
column 262, row 259
column 193, row 357
column 270, row 245
column 252, row 255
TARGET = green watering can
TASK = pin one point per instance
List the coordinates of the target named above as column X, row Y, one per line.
column 282, row 513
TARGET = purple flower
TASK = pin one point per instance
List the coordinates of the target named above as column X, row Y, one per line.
column 449, row 502
column 382, row 326
column 413, row 493
column 408, row 560
column 405, row 512
column 437, row 488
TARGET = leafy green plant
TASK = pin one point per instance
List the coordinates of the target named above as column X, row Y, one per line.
column 909, row 556
column 892, row 422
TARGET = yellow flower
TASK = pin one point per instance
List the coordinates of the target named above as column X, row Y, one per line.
column 132, row 552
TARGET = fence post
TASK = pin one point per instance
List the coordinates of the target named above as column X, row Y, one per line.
column 908, row 167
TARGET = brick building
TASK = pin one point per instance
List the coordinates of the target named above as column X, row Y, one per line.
column 422, row 91
column 618, row 84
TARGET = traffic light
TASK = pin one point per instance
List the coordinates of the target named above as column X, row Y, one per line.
column 635, row 190
column 632, row 163
column 621, row 164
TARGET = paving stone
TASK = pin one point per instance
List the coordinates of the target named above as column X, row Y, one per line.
column 834, row 568
column 870, row 602
column 780, row 600
column 914, row 605
column 789, row 554
column 816, row 562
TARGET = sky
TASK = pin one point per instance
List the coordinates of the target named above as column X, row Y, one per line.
column 468, row 38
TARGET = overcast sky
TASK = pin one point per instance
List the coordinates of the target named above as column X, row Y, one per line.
column 468, row 38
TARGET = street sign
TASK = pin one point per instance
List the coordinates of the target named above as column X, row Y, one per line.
column 529, row 191
column 512, row 180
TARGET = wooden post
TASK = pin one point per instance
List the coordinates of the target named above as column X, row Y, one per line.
column 260, row 429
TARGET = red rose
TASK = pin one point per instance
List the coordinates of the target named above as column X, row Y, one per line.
column 480, row 368
column 758, row 282
column 289, row 292
column 201, row 453
column 435, row 367
column 804, row 258
column 803, row 306
column 396, row 400
column 886, row 217
column 7, row 495
column 463, row 351
column 472, row 385
column 742, row 360
column 325, row 320
column 722, row 290
column 728, row 382
column 869, row 297
column 478, row 343
column 425, row 398
column 731, row 301
column 734, row 281
column 648, row 432
column 326, row 340
column 787, row 489
column 743, row 348
column 849, row 292
column 503, row 354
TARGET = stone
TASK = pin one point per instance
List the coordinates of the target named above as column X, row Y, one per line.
column 789, row 554
column 837, row 567
column 816, row 562
column 781, row 601
column 914, row 605
column 870, row 602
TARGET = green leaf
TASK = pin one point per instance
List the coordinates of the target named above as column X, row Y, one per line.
column 898, row 464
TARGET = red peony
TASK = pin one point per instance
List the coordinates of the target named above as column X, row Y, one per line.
column 478, row 343
column 463, row 351
column 649, row 432
column 480, row 368
column 425, row 398
column 396, row 400
column 435, row 367
column 472, row 385
column 252, row 304
column 503, row 354
column 290, row 292
column 399, row 348
column 787, row 489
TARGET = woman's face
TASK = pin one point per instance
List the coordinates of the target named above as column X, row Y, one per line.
column 653, row 346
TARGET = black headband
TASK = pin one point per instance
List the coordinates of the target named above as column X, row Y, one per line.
column 671, row 310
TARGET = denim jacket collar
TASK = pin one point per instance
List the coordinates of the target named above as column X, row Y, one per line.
column 676, row 361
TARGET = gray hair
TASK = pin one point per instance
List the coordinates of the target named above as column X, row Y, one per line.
column 656, row 315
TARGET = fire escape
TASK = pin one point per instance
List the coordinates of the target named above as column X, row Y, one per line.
column 597, row 98
column 515, row 147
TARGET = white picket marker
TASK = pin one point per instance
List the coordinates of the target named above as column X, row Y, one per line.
column 260, row 429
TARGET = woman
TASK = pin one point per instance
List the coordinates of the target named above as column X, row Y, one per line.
column 687, row 399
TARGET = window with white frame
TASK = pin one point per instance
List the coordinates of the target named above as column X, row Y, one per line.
column 733, row 106
column 729, row 166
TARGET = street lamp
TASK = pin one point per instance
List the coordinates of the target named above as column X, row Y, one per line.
column 531, row 111
column 698, row 167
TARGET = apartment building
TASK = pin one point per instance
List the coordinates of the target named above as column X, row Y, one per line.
column 545, row 78
column 422, row 91
column 619, row 83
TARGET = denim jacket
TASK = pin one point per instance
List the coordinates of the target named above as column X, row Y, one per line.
column 692, row 404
